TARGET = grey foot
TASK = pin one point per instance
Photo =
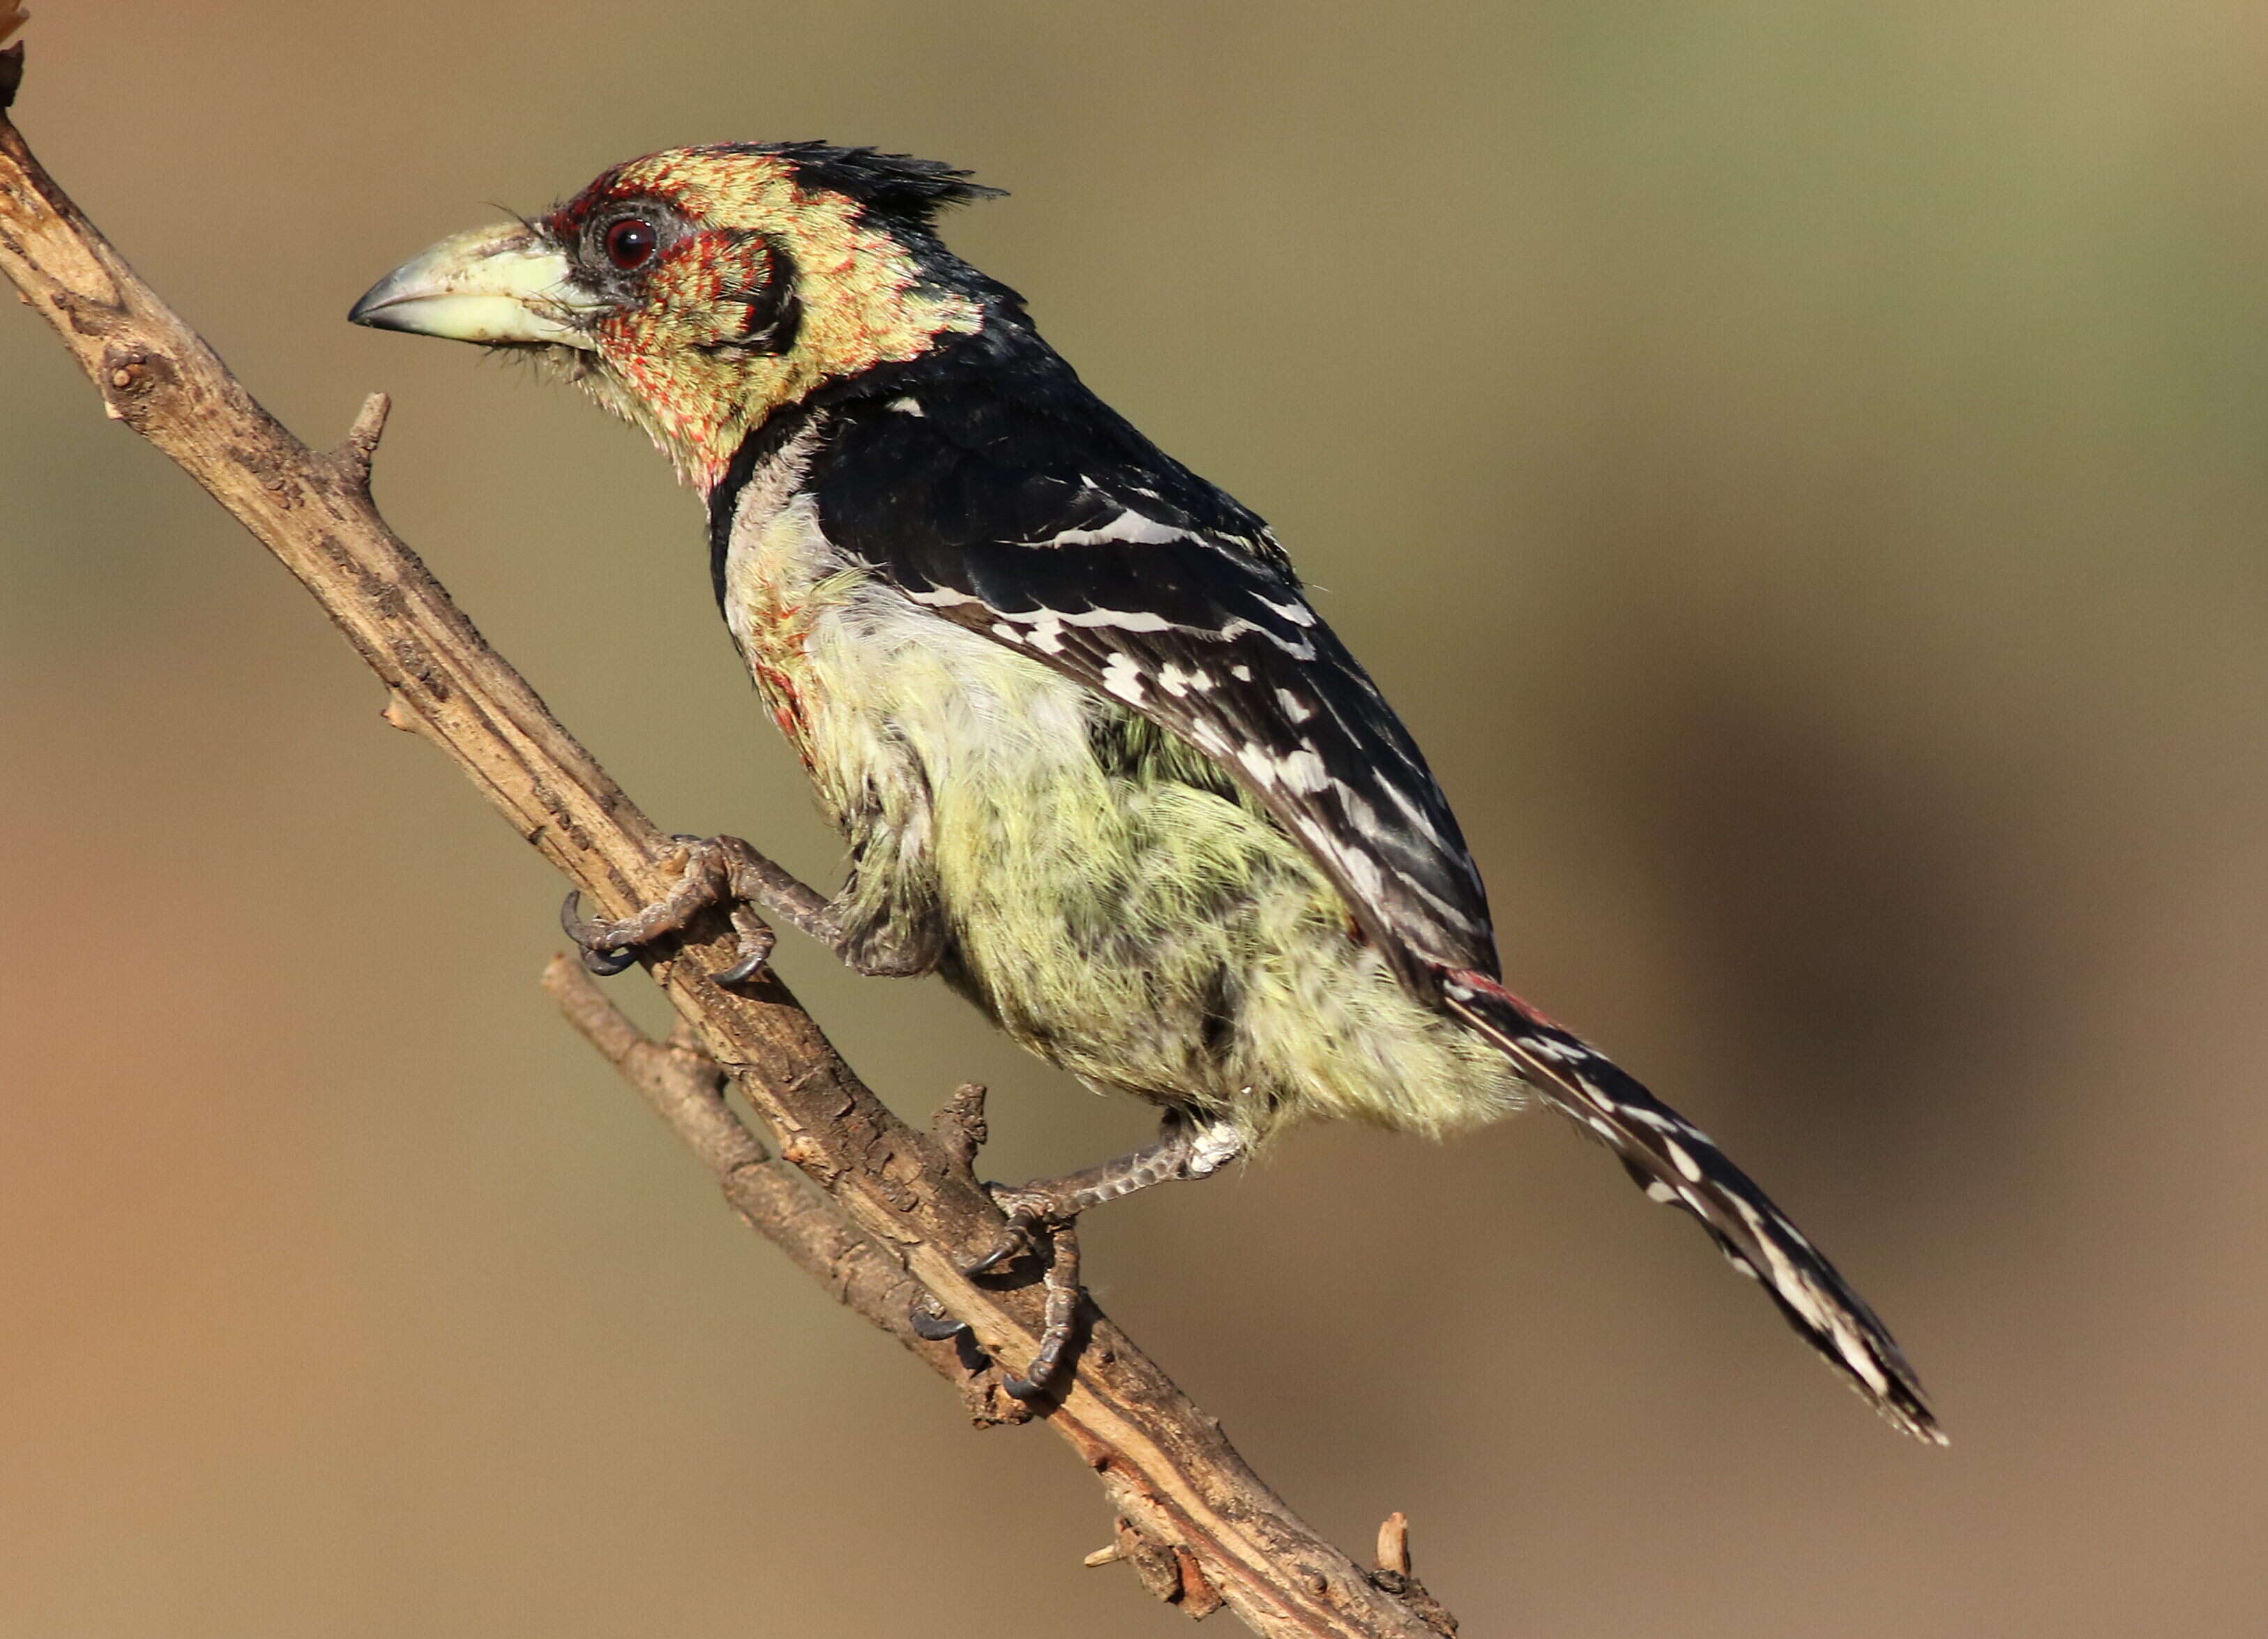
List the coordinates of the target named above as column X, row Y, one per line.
column 930, row 1321
column 710, row 870
column 1060, row 1330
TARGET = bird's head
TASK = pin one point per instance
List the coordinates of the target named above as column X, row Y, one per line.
column 697, row 291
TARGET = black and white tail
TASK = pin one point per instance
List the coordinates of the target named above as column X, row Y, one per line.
column 1675, row 1162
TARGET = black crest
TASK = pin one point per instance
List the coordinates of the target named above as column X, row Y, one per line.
column 897, row 185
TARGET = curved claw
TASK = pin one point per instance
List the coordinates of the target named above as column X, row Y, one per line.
column 743, row 970
column 1014, row 1239
column 605, row 964
column 930, row 1322
column 1032, row 1210
column 757, row 942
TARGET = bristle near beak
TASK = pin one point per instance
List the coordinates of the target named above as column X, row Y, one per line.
column 497, row 285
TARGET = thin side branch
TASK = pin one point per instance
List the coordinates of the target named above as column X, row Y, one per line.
column 686, row 1088
column 877, row 1208
column 353, row 457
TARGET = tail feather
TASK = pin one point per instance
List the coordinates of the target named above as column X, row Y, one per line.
column 1675, row 1163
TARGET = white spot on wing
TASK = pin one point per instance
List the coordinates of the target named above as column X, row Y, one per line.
column 1122, row 678
column 906, row 406
column 1298, row 614
column 1363, row 817
column 1122, row 619
column 1448, row 912
column 1128, row 527
column 1416, row 815
column 1301, row 771
column 1304, row 771
column 1361, row 873
column 1299, row 648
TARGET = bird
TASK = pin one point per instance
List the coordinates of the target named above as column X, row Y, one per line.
column 1097, row 761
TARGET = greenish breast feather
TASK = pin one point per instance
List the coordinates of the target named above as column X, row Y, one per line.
column 1097, row 887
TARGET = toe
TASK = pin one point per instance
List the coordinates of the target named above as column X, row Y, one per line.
column 743, row 970
column 930, row 1321
column 590, row 940
column 1013, row 1241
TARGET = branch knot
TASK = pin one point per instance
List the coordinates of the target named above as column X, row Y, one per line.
column 130, row 377
column 350, row 461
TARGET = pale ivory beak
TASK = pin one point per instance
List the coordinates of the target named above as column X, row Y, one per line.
column 499, row 284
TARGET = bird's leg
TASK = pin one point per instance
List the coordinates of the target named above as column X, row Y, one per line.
column 958, row 1129
column 1186, row 1148
column 710, row 870
column 1060, row 1322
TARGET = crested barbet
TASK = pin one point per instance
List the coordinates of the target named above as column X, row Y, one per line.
column 1097, row 761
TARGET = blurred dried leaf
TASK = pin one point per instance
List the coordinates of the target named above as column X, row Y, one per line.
column 12, row 17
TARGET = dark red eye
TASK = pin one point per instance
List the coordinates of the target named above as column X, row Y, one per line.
column 631, row 244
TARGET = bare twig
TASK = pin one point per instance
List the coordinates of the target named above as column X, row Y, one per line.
column 1395, row 1575
column 686, row 1088
column 892, row 1210
column 1394, row 1544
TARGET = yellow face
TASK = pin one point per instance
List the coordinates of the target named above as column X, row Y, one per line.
column 692, row 292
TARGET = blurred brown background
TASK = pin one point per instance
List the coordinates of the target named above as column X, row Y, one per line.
column 1800, row 467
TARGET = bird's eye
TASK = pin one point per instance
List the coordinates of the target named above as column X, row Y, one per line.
column 631, row 244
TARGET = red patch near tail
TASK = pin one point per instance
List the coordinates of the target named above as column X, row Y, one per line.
column 1481, row 981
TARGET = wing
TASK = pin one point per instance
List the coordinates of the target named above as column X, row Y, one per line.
column 1069, row 537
